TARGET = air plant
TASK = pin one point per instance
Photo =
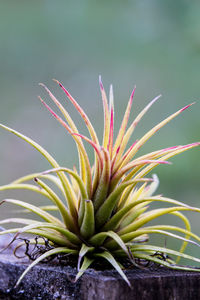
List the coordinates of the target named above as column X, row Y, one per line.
column 105, row 207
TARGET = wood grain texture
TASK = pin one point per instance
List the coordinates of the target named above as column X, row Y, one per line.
column 53, row 282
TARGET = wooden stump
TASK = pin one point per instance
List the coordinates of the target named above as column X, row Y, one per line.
column 53, row 282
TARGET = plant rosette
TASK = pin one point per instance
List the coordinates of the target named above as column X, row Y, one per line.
column 106, row 206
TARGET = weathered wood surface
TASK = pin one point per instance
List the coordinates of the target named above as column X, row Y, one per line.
column 51, row 282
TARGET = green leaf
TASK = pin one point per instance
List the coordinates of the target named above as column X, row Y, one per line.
column 41, row 213
column 21, row 186
column 68, row 220
column 188, row 228
column 88, row 224
column 105, row 210
column 66, row 185
column 135, row 165
column 106, row 115
column 71, row 237
column 129, row 132
column 124, row 123
column 83, row 157
column 81, row 211
column 18, row 220
column 50, row 177
column 99, row 238
column 168, row 154
column 114, row 221
column 86, row 263
column 151, row 215
column 102, row 189
column 75, row 175
column 82, row 113
column 56, row 238
column 43, row 256
column 149, row 134
column 133, row 215
column 84, row 250
column 164, row 263
column 153, row 249
column 119, row 241
column 106, row 255
column 48, row 207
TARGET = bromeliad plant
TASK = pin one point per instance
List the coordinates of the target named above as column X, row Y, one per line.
column 105, row 208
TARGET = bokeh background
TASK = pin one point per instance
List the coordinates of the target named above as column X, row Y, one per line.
column 153, row 44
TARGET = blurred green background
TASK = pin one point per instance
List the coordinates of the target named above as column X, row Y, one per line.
column 153, row 44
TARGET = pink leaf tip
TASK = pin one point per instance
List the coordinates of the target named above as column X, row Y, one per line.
column 63, row 88
column 185, row 107
column 133, row 92
column 100, row 83
column 58, row 82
